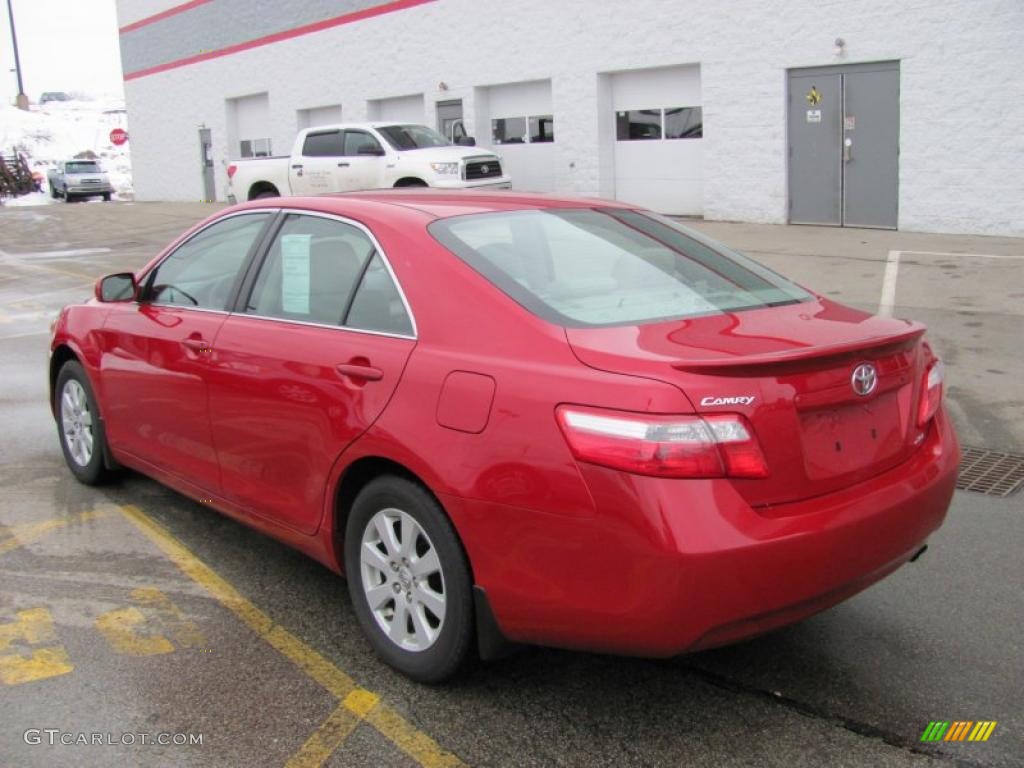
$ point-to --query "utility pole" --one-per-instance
(22, 98)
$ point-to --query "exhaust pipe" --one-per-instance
(917, 554)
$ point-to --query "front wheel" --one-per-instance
(79, 425)
(106, 197)
(409, 579)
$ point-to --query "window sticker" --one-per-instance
(295, 273)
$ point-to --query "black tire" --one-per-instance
(68, 197)
(93, 472)
(406, 183)
(53, 192)
(262, 195)
(106, 197)
(449, 650)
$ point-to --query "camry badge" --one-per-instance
(864, 379)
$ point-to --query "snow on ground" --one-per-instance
(59, 130)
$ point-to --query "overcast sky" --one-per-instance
(65, 45)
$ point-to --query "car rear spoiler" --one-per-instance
(853, 348)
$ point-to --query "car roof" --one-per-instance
(437, 203)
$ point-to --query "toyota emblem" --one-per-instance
(864, 379)
(484, 168)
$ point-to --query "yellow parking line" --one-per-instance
(26, 532)
(362, 704)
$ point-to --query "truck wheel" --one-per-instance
(68, 197)
(261, 195)
(53, 192)
(106, 197)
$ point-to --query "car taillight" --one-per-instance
(719, 445)
(931, 392)
(231, 170)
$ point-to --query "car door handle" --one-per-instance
(363, 372)
(298, 165)
(343, 165)
(197, 345)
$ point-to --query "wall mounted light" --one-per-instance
(839, 47)
(442, 86)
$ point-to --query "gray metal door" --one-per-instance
(871, 134)
(844, 145)
(206, 160)
(448, 114)
(815, 156)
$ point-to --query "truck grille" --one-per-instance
(482, 169)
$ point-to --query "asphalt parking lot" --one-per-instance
(131, 610)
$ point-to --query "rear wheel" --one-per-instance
(78, 423)
(409, 579)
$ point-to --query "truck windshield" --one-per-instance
(85, 167)
(403, 137)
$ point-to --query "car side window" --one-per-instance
(328, 272)
(322, 144)
(202, 271)
(311, 271)
(378, 305)
(360, 143)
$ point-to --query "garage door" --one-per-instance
(521, 127)
(658, 134)
(401, 109)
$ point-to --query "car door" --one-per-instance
(363, 161)
(316, 171)
(156, 352)
(305, 365)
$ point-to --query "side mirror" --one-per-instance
(367, 149)
(466, 141)
(119, 287)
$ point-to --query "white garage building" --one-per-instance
(863, 113)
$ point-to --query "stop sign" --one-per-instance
(118, 136)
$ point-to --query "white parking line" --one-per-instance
(892, 269)
(57, 254)
(964, 255)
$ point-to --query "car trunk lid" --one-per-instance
(789, 371)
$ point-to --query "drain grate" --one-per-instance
(990, 472)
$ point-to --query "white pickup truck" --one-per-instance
(341, 158)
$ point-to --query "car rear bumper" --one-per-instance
(669, 566)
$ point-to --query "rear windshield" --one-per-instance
(605, 267)
(81, 167)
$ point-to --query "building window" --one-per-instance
(509, 130)
(653, 124)
(684, 122)
(513, 130)
(638, 125)
(542, 129)
(255, 148)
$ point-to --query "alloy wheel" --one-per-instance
(76, 419)
(403, 579)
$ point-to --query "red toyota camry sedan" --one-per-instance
(515, 419)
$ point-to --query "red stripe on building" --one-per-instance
(162, 15)
(337, 21)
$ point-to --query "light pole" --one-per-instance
(22, 98)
